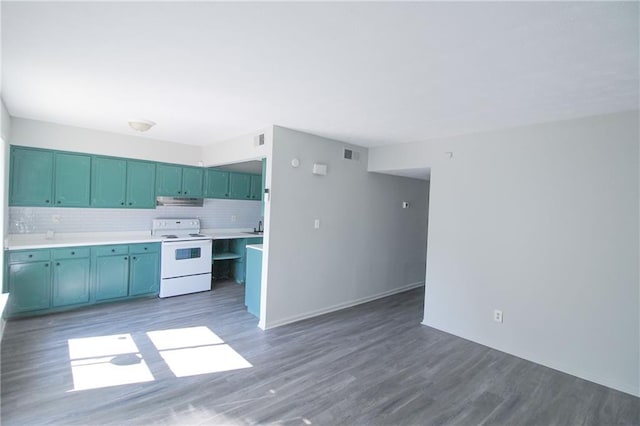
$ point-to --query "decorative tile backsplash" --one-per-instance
(213, 214)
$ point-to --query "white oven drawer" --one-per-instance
(182, 258)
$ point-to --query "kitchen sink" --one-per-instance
(255, 233)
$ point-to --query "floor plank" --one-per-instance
(373, 364)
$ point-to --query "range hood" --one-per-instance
(179, 201)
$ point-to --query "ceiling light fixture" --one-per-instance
(141, 125)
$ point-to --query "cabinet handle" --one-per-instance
(185, 192)
(59, 202)
(134, 258)
(30, 255)
(113, 250)
(46, 201)
(130, 203)
(146, 248)
(46, 265)
(126, 258)
(73, 253)
(247, 196)
(179, 192)
(57, 263)
(226, 195)
(122, 203)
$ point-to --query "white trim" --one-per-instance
(343, 305)
(4, 297)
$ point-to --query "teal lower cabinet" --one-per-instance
(70, 282)
(29, 274)
(125, 270)
(111, 273)
(144, 270)
(48, 280)
(229, 258)
(253, 280)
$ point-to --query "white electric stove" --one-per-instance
(185, 265)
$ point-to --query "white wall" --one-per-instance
(541, 222)
(367, 245)
(42, 134)
(242, 148)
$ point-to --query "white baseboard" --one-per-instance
(342, 305)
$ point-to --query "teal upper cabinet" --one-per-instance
(217, 184)
(192, 179)
(177, 181)
(108, 182)
(71, 179)
(239, 186)
(256, 187)
(141, 181)
(168, 180)
(31, 177)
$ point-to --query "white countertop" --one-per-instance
(255, 246)
(40, 241)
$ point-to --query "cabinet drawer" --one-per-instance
(144, 248)
(70, 253)
(109, 250)
(28, 256)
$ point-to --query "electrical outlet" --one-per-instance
(233, 218)
(497, 315)
(316, 224)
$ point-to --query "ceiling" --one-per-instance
(365, 73)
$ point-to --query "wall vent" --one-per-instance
(350, 154)
(259, 139)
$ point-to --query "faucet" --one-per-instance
(260, 229)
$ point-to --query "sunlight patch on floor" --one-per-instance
(196, 350)
(98, 362)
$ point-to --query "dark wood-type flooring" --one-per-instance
(373, 364)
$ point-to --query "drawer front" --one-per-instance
(23, 256)
(144, 248)
(111, 250)
(70, 253)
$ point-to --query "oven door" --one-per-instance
(183, 258)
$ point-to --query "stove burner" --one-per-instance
(197, 235)
(169, 236)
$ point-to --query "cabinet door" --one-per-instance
(29, 286)
(256, 187)
(111, 276)
(217, 184)
(168, 180)
(108, 182)
(192, 182)
(141, 185)
(72, 180)
(144, 274)
(239, 186)
(70, 281)
(31, 178)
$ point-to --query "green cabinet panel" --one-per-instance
(216, 184)
(141, 181)
(239, 186)
(256, 187)
(192, 182)
(253, 281)
(70, 281)
(72, 177)
(111, 276)
(31, 178)
(168, 180)
(108, 182)
(144, 274)
(29, 286)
